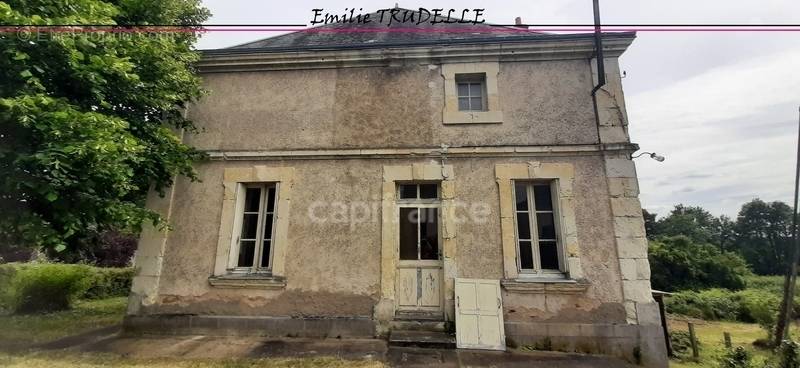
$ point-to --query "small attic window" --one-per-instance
(471, 89)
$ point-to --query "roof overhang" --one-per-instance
(525, 48)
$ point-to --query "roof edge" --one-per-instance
(547, 47)
(487, 40)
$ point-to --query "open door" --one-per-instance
(479, 315)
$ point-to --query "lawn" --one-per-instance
(712, 346)
(22, 331)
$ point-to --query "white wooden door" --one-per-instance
(479, 315)
(419, 285)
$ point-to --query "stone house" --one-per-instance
(355, 176)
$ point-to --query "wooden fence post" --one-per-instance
(727, 339)
(693, 337)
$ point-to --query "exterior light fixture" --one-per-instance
(652, 155)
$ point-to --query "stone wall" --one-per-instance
(543, 103)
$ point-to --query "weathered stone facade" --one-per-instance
(338, 129)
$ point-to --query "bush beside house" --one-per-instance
(46, 287)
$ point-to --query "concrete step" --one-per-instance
(409, 325)
(422, 339)
(418, 316)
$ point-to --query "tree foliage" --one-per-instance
(761, 233)
(678, 263)
(88, 120)
(764, 235)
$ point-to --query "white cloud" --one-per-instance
(734, 124)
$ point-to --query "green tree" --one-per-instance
(89, 120)
(764, 235)
(691, 221)
(650, 224)
(678, 263)
(724, 233)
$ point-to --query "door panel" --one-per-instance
(430, 286)
(407, 287)
(479, 314)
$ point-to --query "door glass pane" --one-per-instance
(252, 199)
(463, 103)
(547, 228)
(549, 255)
(247, 250)
(476, 103)
(525, 255)
(463, 89)
(265, 254)
(543, 197)
(271, 199)
(429, 233)
(408, 191)
(408, 233)
(268, 226)
(521, 195)
(428, 191)
(249, 226)
(523, 226)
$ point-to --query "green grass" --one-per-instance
(712, 345)
(20, 331)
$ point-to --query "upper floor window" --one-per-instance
(471, 90)
(538, 244)
(256, 228)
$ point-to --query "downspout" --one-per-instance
(601, 68)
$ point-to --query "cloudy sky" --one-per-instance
(721, 106)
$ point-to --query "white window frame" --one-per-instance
(259, 241)
(491, 113)
(469, 80)
(537, 270)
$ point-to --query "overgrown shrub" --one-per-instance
(711, 304)
(750, 305)
(737, 357)
(679, 264)
(774, 285)
(761, 307)
(43, 287)
(789, 354)
(109, 282)
(681, 343)
(49, 287)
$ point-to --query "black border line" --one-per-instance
(307, 25)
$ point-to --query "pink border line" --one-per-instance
(465, 29)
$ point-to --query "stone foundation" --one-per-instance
(250, 326)
(634, 343)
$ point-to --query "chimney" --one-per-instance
(518, 23)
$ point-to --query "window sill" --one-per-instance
(543, 285)
(252, 281)
(472, 117)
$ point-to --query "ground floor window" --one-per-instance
(256, 228)
(537, 229)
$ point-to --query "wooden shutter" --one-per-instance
(479, 315)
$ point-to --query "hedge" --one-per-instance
(45, 287)
(749, 305)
